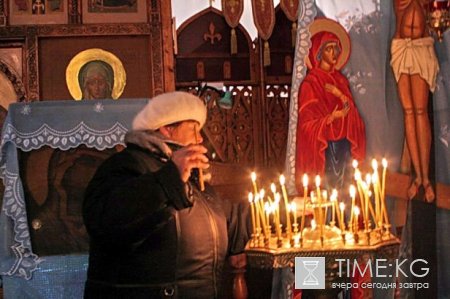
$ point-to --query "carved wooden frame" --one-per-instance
(158, 28)
(32, 36)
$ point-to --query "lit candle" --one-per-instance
(267, 209)
(333, 199)
(368, 195)
(277, 215)
(255, 187)
(319, 202)
(261, 194)
(342, 219)
(260, 212)
(358, 180)
(294, 211)
(369, 180)
(356, 211)
(377, 192)
(305, 193)
(355, 164)
(286, 204)
(383, 182)
(317, 181)
(352, 196)
(273, 188)
(383, 191)
(252, 209)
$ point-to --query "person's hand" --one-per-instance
(189, 157)
(337, 113)
(336, 92)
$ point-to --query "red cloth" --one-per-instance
(315, 105)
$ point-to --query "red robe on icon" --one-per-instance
(315, 106)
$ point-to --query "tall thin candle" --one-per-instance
(286, 205)
(333, 199)
(352, 195)
(252, 209)
(305, 193)
(342, 218)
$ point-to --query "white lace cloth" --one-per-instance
(58, 124)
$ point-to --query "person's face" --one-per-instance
(329, 54)
(96, 86)
(186, 133)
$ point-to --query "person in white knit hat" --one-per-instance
(153, 232)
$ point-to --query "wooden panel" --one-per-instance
(281, 51)
(205, 38)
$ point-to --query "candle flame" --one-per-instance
(354, 163)
(364, 185)
(277, 198)
(325, 195)
(293, 206)
(352, 191)
(273, 188)
(374, 164)
(342, 206)
(333, 196)
(256, 197)
(250, 197)
(262, 192)
(253, 176)
(357, 175)
(282, 180)
(305, 180)
(267, 207)
(368, 179)
(317, 180)
(384, 162)
(375, 176)
(356, 211)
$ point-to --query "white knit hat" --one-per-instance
(169, 108)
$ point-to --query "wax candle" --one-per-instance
(356, 211)
(252, 210)
(261, 195)
(333, 199)
(277, 215)
(286, 205)
(342, 222)
(352, 191)
(267, 209)
(305, 193)
(253, 177)
(319, 203)
(369, 181)
(294, 211)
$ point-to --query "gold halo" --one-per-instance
(334, 27)
(73, 71)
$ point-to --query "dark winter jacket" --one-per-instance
(153, 236)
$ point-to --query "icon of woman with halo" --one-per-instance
(95, 74)
(330, 131)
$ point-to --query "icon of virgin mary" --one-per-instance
(330, 131)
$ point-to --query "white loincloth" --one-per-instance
(415, 56)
